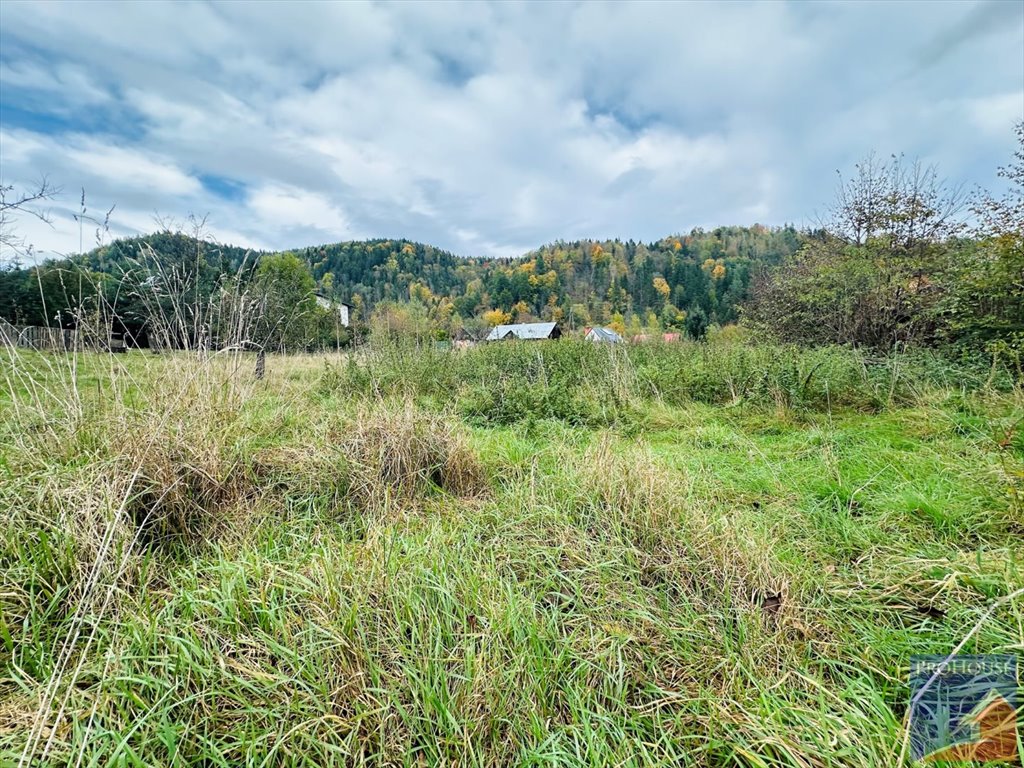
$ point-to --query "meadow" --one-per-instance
(699, 554)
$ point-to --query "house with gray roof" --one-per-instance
(603, 336)
(525, 332)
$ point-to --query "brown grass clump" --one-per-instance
(637, 497)
(399, 452)
(175, 466)
(177, 491)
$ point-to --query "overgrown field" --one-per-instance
(548, 554)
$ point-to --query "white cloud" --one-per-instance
(132, 169)
(996, 114)
(290, 207)
(67, 83)
(491, 128)
(18, 147)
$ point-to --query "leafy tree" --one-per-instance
(672, 318)
(580, 314)
(408, 319)
(285, 292)
(662, 288)
(494, 317)
(870, 276)
(984, 297)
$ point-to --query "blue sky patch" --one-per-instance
(223, 187)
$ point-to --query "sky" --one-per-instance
(488, 129)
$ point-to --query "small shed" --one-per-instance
(603, 336)
(525, 332)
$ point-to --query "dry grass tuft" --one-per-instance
(177, 490)
(678, 543)
(637, 496)
(174, 464)
(399, 452)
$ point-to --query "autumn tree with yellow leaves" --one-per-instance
(494, 317)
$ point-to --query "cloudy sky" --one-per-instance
(489, 129)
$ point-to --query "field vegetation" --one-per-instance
(698, 554)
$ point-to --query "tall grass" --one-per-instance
(587, 384)
(554, 554)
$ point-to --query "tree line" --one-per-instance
(680, 282)
(176, 290)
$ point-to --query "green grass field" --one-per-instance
(548, 555)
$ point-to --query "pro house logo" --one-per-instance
(964, 708)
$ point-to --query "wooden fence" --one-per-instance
(55, 339)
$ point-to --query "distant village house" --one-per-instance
(340, 307)
(525, 332)
(641, 338)
(463, 339)
(603, 336)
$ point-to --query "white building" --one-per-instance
(340, 307)
(603, 336)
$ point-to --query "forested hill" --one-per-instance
(703, 273)
(595, 280)
(172, 248)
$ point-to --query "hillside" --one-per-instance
(702, 273)
(710, 271)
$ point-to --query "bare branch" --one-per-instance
(14, 202)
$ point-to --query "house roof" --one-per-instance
(604, 334)
(522, 331)
(325, 301)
